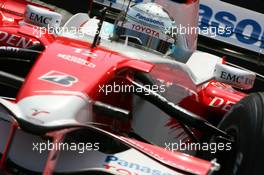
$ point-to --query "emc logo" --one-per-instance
(39, 18)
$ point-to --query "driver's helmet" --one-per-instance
(148, 25)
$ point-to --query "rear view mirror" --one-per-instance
(235, 77)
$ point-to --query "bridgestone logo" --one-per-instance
(59, 78)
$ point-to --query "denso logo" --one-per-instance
(221, 103)
(14, 40)
(153, 21)
(238, 27)
(39, 18)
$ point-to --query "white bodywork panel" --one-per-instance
(202, 65)
(51, 110)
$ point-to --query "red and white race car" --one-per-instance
(129, 98)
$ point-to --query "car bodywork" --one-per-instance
(64, 83)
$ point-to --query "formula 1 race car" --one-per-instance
(125, 98)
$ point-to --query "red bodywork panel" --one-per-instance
(100, 67)
(220, 97)
(176, 160)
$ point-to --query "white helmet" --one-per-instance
(146, 24)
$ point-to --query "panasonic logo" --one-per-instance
(120, 165)
(153, 21)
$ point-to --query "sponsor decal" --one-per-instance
(36, 112)
(245, 30)
(125, 167)
(149, 20)
(14, 40)
(40, 19)
(221, 103)
(85, 52)
(59, 78)
(236, 78)
(146, 30)
(77, 60)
